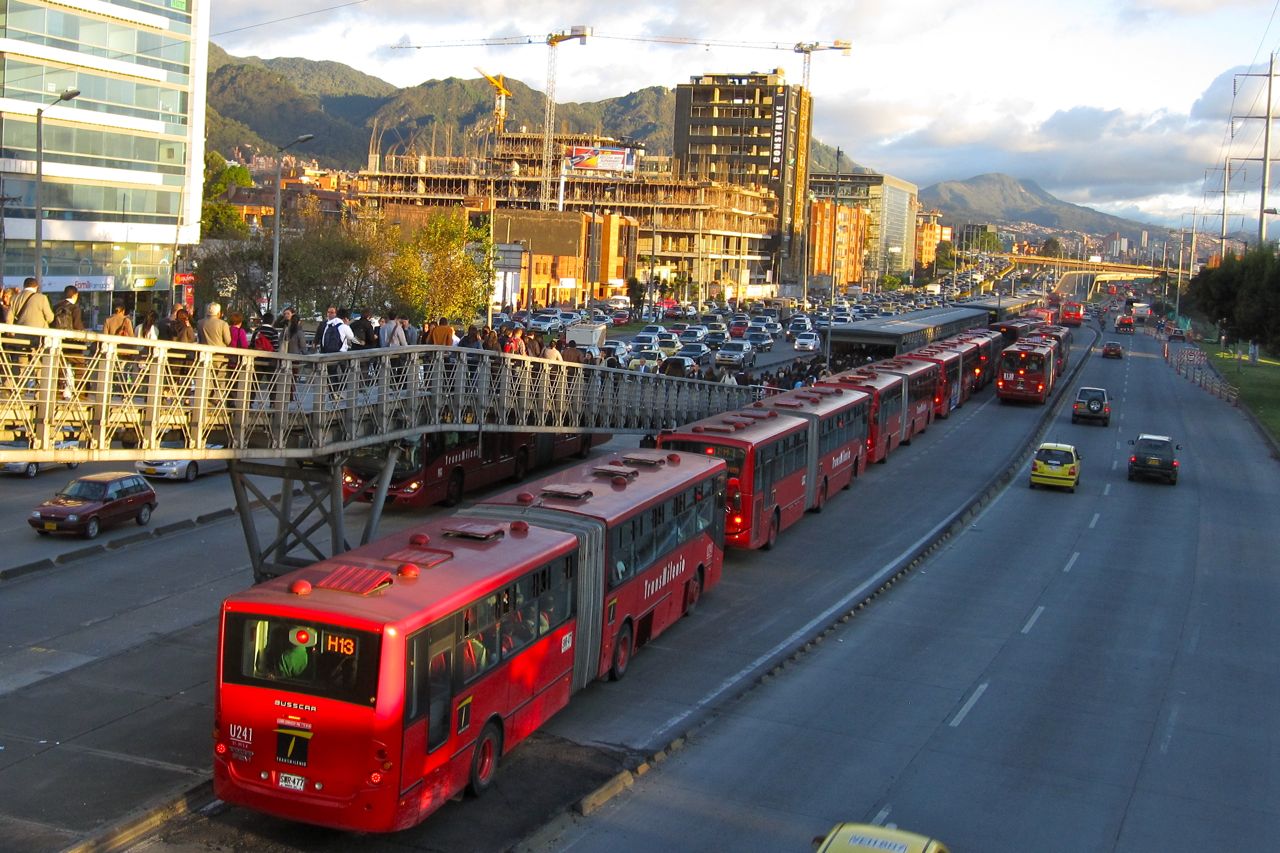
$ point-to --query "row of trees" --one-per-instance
(441, 268)
(1242, 296)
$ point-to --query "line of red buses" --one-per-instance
(368, 689)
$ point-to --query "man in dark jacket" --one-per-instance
(366, 335)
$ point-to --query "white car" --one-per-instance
(30, 469)
(808, 342)
(180, 469)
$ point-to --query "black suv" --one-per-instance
(1154, 456)
(1092, 404)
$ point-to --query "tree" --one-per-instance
(1051, 248)
(219, 220)
(345, 262)
(444, 268)
(1243, 293)
(945, 255)
(635, 292)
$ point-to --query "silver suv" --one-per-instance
(1092, 404)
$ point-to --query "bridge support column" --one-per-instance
(321, 492)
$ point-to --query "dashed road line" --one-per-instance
(881, 816)
(1094, 521)
(968, 706)
(1106, 490)
(1026, 629)
(1168, 729)
(1071, 562)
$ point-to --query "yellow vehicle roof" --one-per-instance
(867, 838)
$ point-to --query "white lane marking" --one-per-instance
(1115, 463)
(1106, 490)
(1168, 729)
(968, 706)
(881, 816)
(1094, 521)
(1071, 562)
(1026, 629)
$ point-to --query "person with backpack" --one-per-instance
(337, 338)
(67, 316)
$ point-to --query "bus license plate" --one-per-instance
(291, 782)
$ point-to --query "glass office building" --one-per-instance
(122, 159)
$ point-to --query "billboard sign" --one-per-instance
(588, 159)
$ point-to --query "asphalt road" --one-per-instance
(1074, 672)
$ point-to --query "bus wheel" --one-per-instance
(522, 466)
(621, 653)
(484, 762)
(772, 537)
(454, 493)
(692, 593)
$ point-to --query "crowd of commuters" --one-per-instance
(344, 330)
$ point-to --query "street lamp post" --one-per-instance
(66, 95)
(275, 235)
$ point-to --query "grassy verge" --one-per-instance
(1259, 384)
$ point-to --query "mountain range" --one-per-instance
(259, 104)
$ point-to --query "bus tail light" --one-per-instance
(1039, 387)
(375, 778)
(1175, 463)
(735, 494)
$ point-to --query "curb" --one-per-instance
(174, 527)
(79, 553)
(25, 569)
(129, 830)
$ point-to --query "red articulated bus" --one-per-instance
(440, 467)
(955, 383)
(1062, 337)
(364, 692)
(886, 415)
(989, 343)
(924, 387)
(1025, 372)
(1044, 315)
(1016, 328)
(767, 454)
(837, 435)
(1072, 313)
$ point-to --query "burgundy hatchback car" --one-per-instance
(90, 503)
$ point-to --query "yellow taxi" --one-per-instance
(1056, 465)
(860, 837)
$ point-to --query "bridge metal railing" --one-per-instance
(124, 398)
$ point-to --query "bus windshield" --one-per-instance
(733, 456)
(301, 656)
(368, 461)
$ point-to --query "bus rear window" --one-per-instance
(733, 456)
(301, 656)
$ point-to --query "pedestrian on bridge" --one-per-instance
(118, 323)
(31, 307)
(213, 330)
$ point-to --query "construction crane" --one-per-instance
(552, 41)
(808, 48)
(500, 95)
(545, 194)
(549, 165)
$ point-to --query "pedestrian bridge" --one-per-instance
(125, 398)
(81, 397)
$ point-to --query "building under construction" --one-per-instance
(612, 218)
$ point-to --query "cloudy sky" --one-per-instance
(1122, 105)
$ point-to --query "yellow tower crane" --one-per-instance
(500, 95)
